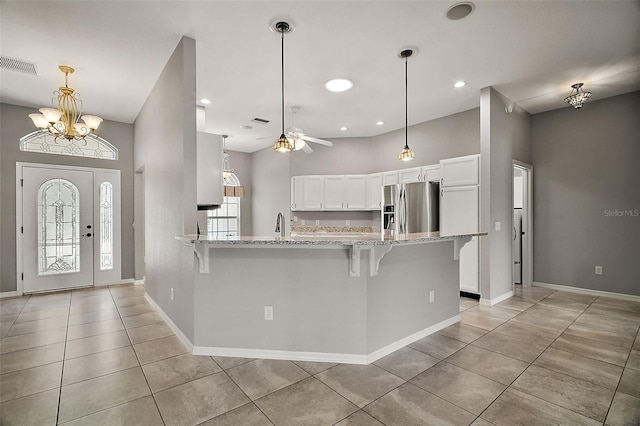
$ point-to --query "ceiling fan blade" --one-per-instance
(316, 140)
(307, 149)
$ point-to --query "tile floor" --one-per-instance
(104, 357)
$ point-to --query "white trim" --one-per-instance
(496, 300)
(19, 198)
(184, 339)
(324, 356)
(527, 208)
(9, 294)
(122, 281)
(138, 282)
(587, 291)
(382, 352)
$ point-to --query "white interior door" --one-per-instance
(58, 228)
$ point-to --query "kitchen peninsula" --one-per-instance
(332, 298)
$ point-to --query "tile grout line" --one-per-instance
(137, 357)
(64, 353)
(532, 362)
(622, 374)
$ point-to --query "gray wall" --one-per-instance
(585, 163)
(14, 124)
(271, 187)
(241, 164)
(503, 138)
(165, 135)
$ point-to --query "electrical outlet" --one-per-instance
(598, 270)
(295, 218)
(268, 313)
(172, 293)
(347, 222)
(498, 225)
(317, 222)
(302, 222)
(432, 296)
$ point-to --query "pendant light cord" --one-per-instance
(406, 106)
(282, 58)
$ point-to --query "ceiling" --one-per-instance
(531, 51)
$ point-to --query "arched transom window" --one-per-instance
(224, 223)
(91, 146)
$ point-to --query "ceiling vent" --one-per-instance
(13, 64)
(260, 120)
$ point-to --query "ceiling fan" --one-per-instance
(299, 139)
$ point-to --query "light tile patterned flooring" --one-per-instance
(104, 357)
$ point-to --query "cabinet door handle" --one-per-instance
(419, 177)
(347, 205)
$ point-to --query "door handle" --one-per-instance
(87, 235)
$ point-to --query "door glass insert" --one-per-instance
(106, 226)
(58, 227)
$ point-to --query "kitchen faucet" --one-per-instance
(280, 224)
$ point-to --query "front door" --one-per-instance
(58, 228)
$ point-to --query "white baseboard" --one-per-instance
(496, 300)
(9, 294)
(139, 282)
(324, 356)
(185, 341)
(587, 291)
(380, 353)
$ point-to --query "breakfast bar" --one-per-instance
(332, 298)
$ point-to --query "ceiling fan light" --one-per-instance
(298, 143)
(52, 115)
(92, 121)
(39, 120)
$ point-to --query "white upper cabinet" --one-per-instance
(296, 192)
(461, 171)
(374, 191)
(209, 183)
(312, 190)
(410, 175)
(389, 178)
(333, 198)
(355, 192)
(431, 173)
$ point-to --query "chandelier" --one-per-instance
(577, 96)
(64, 121)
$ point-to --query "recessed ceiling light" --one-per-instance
(379, 123)
(343, 128)
(338, 85)
(460, 84)
(460, 10)
(205, 101)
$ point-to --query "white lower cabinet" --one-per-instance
(469, 266)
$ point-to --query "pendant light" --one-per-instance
(578, 96)
(282, 145)
(226, 167)
(406, 154)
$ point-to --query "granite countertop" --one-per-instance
(338, 239)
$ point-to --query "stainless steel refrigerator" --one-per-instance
(410, 208)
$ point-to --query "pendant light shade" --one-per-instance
(226, 166)
(406, 154)
(282, 145)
